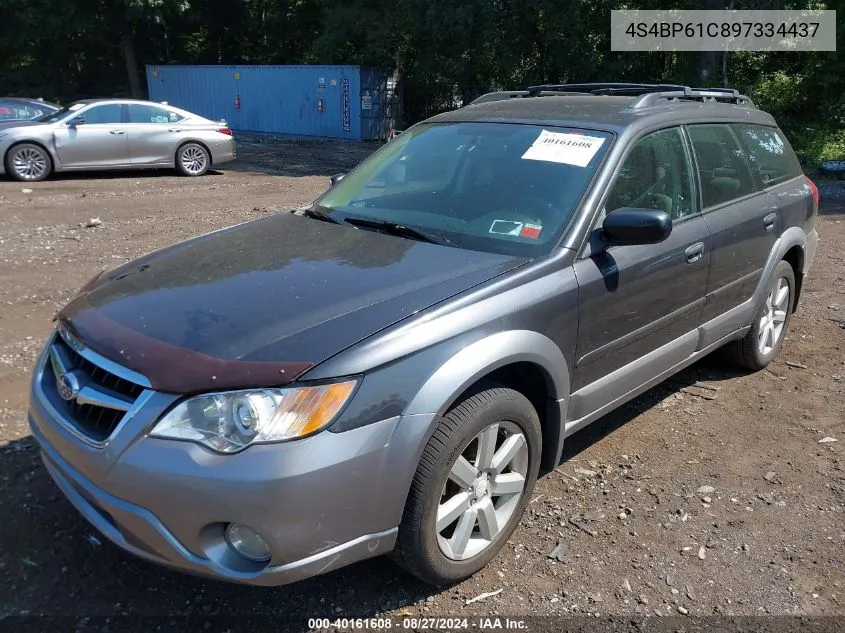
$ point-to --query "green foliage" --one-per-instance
(448, 51)
(780, 92)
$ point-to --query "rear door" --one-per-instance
(100, 141)
(154, 134)
(778, 172)
(743, 219)
(634, 300)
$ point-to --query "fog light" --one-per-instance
(248, 543)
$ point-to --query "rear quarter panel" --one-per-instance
(795, 203)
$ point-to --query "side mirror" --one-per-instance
(77, 120)
(629, 226)
(336, 179)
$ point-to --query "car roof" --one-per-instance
(117, 100)
(30, 100)
(609, 112)
(139, 101)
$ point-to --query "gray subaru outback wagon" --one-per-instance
(388, 369)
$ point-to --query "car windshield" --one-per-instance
(498, 187)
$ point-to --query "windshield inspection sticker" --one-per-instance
(564, 147)
(531, 231)
(506, 227)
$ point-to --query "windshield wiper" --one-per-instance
(318, 215)
(400, 230)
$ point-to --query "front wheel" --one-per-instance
(192, 159)
(763, 341)
(28, 162)
(471, 487)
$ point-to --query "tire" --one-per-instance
(192, 159)
(491, 414)
(753, 351)
(28, 162)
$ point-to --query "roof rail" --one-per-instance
(649, 94)
(604, 88)
(500, 96)
(713, 95)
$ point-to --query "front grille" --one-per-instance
(93, 412)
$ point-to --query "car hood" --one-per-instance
(260, 303)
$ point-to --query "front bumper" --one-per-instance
(321, 503)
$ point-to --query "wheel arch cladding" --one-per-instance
(523, 360)
(795, 257)
(791, 240)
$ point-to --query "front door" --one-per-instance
(99, 139)
(641, 300)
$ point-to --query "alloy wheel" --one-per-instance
(194, 159)
(773, 318)
(483, 490)
(30, 163)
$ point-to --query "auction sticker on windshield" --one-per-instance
(564, 147)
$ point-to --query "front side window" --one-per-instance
(106, 113)
(723, 168)
(656, 174)
(497, 187)
(770, 155)
(141, 113)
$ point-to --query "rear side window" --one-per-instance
(16, 110)
(770, 155)
(723, 168)
(142, 113)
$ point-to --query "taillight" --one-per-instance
(225, 130)
(814, 190)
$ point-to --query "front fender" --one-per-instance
(482, 357)
(473, 362)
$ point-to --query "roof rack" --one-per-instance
(685, 93)
(503, 95)
(649, 94)
(604, 88)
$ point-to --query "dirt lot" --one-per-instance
(702, 500)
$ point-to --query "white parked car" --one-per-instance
(113, 134)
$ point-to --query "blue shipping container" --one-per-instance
(344, 102)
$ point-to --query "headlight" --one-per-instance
(229, 422)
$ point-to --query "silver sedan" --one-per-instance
(113, 134)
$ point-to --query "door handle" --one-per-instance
(175, 129)
(117, 131)
(694, 252)
(769, 221)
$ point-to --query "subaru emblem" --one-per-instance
(67, 385)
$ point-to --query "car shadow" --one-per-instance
(53, 562)
(707, 370)
(283, 156)
(136, 174)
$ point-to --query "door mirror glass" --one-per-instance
(628, 226)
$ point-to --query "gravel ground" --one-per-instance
(714, 493)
